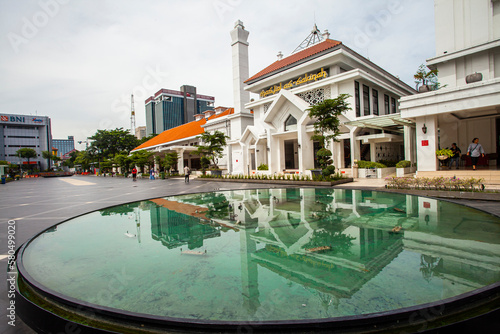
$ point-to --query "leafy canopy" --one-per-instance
(212, 146)
(107, 143)
(327, 114)
(26, 153)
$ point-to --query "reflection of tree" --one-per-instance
(120, 209)
(429, 266)
(338, 241)
(217, 204)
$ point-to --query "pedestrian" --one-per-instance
(456, 155)
(187, 172)
(151, 174)
(134, 174)
(475, 150)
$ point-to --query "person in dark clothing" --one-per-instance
(456, 156)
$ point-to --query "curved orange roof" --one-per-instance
(187, 130)
(310, 51)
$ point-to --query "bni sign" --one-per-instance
(13, 119)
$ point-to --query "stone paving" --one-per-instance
(36, 204)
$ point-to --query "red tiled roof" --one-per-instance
(310, 51)
(187, 130)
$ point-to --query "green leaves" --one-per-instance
(326, 114)
(212, 145)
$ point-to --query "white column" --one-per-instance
(180, 162)
(427, 143)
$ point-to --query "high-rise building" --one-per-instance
(63, 145)
(168, 109)
(25, 131)
(140, 132)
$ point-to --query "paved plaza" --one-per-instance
(36, 204)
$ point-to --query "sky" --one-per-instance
(78, 62)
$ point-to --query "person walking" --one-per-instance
(456, 156)
(151, 174)
(134, 174)
(187, 172)
(475, 150)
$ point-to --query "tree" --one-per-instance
(107, 143)
(84, 159)
(326, 115)
(123, 161)
(26, 153)
(171, 160)
(326, 127)
(70, 163)
(212, 146)
(49, 156)
(142, 158)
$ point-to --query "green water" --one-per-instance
(277, 254)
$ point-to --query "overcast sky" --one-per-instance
(79, 61)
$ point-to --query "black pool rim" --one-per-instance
(479, 309)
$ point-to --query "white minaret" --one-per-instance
(239, 45)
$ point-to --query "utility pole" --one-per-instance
(132, 115)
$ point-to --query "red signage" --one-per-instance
(427, 205)
(425, 143)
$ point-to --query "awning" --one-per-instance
(381, 122)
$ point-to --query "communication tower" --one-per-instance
(132, 115)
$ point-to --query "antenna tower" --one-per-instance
(132, 115)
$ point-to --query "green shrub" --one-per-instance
(388, 163)
(370, 164)
(329, 170)
(403, 164)
(263, 167)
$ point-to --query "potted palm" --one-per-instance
(426, 79)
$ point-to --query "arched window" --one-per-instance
(291, 123)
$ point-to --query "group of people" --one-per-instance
(475, 150)
(187, 172)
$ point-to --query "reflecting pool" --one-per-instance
(269, 254)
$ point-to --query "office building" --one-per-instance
(168, 109)
(25, 131)
(63, 146)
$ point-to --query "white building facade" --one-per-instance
(468, 63)
(25, 131)
(280, 136)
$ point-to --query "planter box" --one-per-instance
(216, 172)
(367, 173)
(55, 174)
(400, 172)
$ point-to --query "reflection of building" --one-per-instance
(170, 108)
(338, 244)
(25, 131)
(175, 229)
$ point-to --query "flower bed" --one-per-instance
(435, 183)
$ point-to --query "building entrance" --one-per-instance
(291, 154)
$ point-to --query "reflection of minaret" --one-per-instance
(249, 271)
